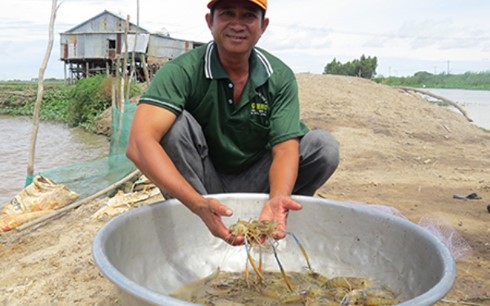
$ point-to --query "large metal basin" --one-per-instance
(152, 250)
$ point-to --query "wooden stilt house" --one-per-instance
(99, 45)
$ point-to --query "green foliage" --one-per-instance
(90, 98)
(54, 104)
(468, 80)
(87, 102)
(365, 67)
(76, 105)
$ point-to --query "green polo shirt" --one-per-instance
(237, 134)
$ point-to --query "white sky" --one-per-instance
(405, 36)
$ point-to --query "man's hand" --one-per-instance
(211, 211)
(277, 209)
(150, 125)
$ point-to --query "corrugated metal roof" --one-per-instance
(106, 22)
(102, 37)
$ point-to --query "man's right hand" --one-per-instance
(211, 211)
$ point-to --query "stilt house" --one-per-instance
(99, 45)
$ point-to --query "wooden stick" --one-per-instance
(461, 302)
(40, 91)
(469, 301)
(452, 103)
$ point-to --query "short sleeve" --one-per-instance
(285, 114)
(169, 88)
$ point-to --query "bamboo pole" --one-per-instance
(116, 82)
(125, 66)
(40, 92)
(132, 74)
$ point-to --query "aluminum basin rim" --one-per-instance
(429, 297)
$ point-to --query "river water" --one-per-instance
(57, 145)
(475, 102)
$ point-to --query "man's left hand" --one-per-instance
(277, 209)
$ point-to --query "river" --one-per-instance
(475, 102)
(57, 145)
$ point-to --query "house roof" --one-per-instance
(106, 12)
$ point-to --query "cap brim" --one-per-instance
(213, 3)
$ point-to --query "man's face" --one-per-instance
(236, 26)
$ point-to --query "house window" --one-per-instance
(112, 44)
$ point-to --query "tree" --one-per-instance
(365, 67)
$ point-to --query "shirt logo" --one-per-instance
(260, 107)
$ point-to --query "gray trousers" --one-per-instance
(186, 146)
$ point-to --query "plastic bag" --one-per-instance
(39, 198)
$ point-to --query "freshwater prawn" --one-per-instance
(255, 234)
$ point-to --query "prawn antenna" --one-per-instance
(307, 258)
(286, 279)
(250, 259)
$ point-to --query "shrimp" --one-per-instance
(350, 283)
(369, 297)
(255, 233)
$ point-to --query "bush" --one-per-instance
(54, 105)
(76, 105)
(90, 98)
(87, 102)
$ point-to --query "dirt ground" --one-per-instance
(396, 150)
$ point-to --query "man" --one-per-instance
(225, 118)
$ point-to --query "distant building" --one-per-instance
(98, 45)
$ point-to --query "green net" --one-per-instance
(87, 178)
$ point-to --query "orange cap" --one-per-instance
(261, 3)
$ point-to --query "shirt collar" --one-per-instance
(260, 67)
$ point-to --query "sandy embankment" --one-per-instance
(396, 149)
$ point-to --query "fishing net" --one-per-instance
(437, 226)
(457, 245)
(87, 178)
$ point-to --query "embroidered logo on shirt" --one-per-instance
(260, 107)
